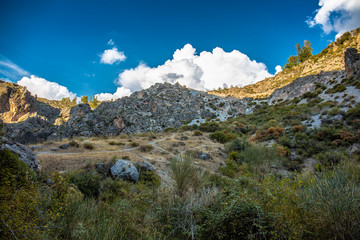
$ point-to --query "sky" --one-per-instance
(113, 48)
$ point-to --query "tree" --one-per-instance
(84, 99)
(291, 62)
(305, 52)
(74, 100)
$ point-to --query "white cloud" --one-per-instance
(278, 69)
(11, 70)
(111, 56)
(111, 42)
(339, 16)
(120, 92)
(45, 89)
(206, 71)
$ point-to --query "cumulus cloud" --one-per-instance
(45, 89)
(111, 56)
(120, 92)
(278, 69)
(206, 71)
(337, 15)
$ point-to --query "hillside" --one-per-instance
(329, 59)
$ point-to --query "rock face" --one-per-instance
(25, 154)
(352, 63)
(124, 170)
(154, 109)
(302, 85)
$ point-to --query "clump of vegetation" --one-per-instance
(222, 136)
(89, 146)
(73, 143)
(337, 88)
(113, 143)
(134, 144)
(146, 148)
(198, 133)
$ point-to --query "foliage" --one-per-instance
(337, 88)
(89, 146)
(222, 136)
(84, 99)
(291, 62)
(87, 182)
(305, 52)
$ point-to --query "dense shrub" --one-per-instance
(146, 148)
(270, 133)
(197, 133)
(222, 136)
(337, 88)
(88, 182)
(209, 127)
(89, 146)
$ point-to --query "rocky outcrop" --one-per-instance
(25, 154)
(154, 109)
(352, 63)
(302, 85)
(124, 170)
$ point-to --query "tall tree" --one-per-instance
(84, 99)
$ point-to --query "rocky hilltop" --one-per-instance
(28, 119)
(154, 109)
(329, 59)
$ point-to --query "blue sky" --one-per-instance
(63, 41)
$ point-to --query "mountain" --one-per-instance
(329, 59)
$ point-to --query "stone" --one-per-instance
(204, 156)
(124, 170)
(25, 154)
(145, 166)
(352, 63)
(64, 146)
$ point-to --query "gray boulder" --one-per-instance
(352, 63)
(64, 146)
(124, 170)
(25, 154)
(204, 156)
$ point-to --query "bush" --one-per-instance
(197, 133)
(333, 202)
(87, 182)
(270, 133)
(222, 136)
(150, 179)
(113, 143)
(73, 143)
(170, 129)
(209, 127)
(186, 174)
(89, 146)
(134, 144)
(337, 88)
(146, 148)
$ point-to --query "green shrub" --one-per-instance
(186, 174)
(209, 127)
(337, 88)
(197, 133)
(73, 143)
(89, 146)
(113, 143)
(222, 136)
(150, 179)
(238, 145)
(170, 129)
(333, 202)
(113, 189)
(13, 172)
(134, 144)
(87, 182)
(146, 148)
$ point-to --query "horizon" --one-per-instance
(111, 49)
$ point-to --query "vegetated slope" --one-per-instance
(329, 59)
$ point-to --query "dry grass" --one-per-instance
(76, 158)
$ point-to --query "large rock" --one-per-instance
(145, 166)
(124, 170)
(25, 153)
(352, 63)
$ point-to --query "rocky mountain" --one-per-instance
(154, 109)
(329, 59)
(29, 120)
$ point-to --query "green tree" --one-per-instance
(291, 62)
(74, 100)
(305, 52)
(84, 99)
